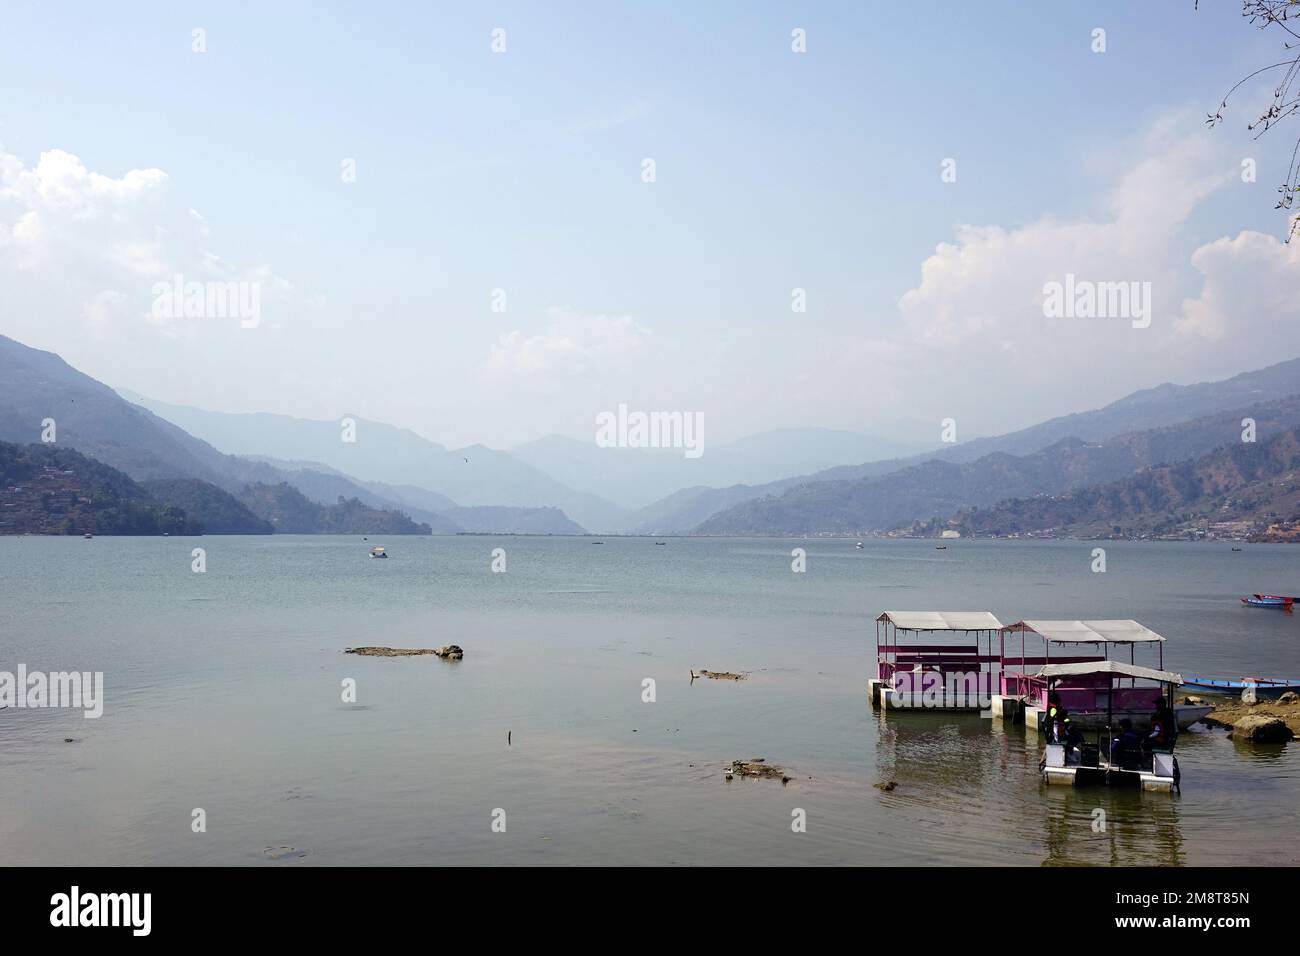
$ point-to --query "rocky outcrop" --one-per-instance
(1262, 729)
(452, 652)
(389, 651)
(757, 767)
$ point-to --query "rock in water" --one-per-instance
(389, 651)
(1289, 697)
(451, 652)
(755, 768)
(1262, 729)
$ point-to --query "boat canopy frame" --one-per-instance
(1020, 676)
(894, 654)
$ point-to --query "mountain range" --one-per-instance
(1242, 483)
(937, 488)
(290, 472)
(794, 505)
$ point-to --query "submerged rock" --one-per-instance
(1262, 729)
(389, 651)
(755, 768)
(451, 652)
(719, 675)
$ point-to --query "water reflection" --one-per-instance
(969, 789)
(1110, 826)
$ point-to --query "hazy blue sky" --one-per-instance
(522, 171)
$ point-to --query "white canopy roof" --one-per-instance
(942, 620)
(1089, 632)
(1117, 668)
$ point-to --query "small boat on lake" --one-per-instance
(1284, 604)
(378, 551)
(1104, 757)
(1093, 699)
(1266, 688)
(87, 535)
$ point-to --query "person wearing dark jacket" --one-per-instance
(1164, 727)
(1126, 744)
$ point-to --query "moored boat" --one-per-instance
(1266, 688)
(378, 552)
(1284, 604)
(1092, 700)
(1118, 754)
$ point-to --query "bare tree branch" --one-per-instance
(1283, 16)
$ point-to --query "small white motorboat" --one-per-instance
(378, 551)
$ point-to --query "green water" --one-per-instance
(223, 692)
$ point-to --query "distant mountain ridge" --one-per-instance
(1048, 458)
(385, 454)
(936, 488)
(637, 477)
(1143, 410)
(1239, 482)
(217, 511)
(45, 489)
(94, 420)
(291, 512)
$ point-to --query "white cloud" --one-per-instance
(986, 288)
(58, 212)
(572, 344)
(976, 316)
(1250, 288)
(76, 243)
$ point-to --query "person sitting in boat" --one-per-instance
(1127, 745)
(1060, 730)
(1058, 719)
(1164, 728)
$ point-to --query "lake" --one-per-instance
(223, 692)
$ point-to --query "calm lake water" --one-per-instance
(223, 692)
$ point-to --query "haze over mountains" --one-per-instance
(936, 488)
(1240, 482)
(638, 477)
(287, 471)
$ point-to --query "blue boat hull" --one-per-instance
(1265, 690)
